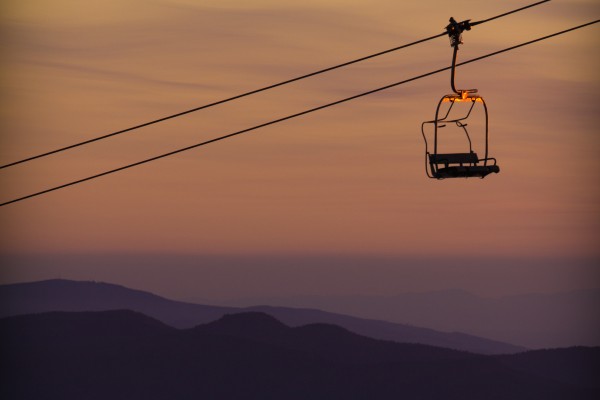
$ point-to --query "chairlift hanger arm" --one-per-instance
(455, 30)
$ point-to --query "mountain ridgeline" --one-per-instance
(124, 354)
(535, 320)
(66, 295)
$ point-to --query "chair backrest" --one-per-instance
(454, 158)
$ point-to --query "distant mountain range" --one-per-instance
(537, 320)
(66, 295)
(127, 355)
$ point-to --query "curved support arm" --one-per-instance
(464, 128)
(459, 92)
(453, 71)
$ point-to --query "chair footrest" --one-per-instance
(476, 171)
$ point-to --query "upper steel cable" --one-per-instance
(239, 96)
(508, 13)
(252, 92)
(295, 115)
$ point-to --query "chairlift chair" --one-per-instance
(443, 165)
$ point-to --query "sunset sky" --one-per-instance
(346, 183)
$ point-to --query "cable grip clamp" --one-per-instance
(455, 30)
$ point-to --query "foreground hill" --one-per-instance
(126, 355)
(66, 295)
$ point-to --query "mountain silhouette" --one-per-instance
(66, 295)
(253, 325)
(126, 355)
(536, 320)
